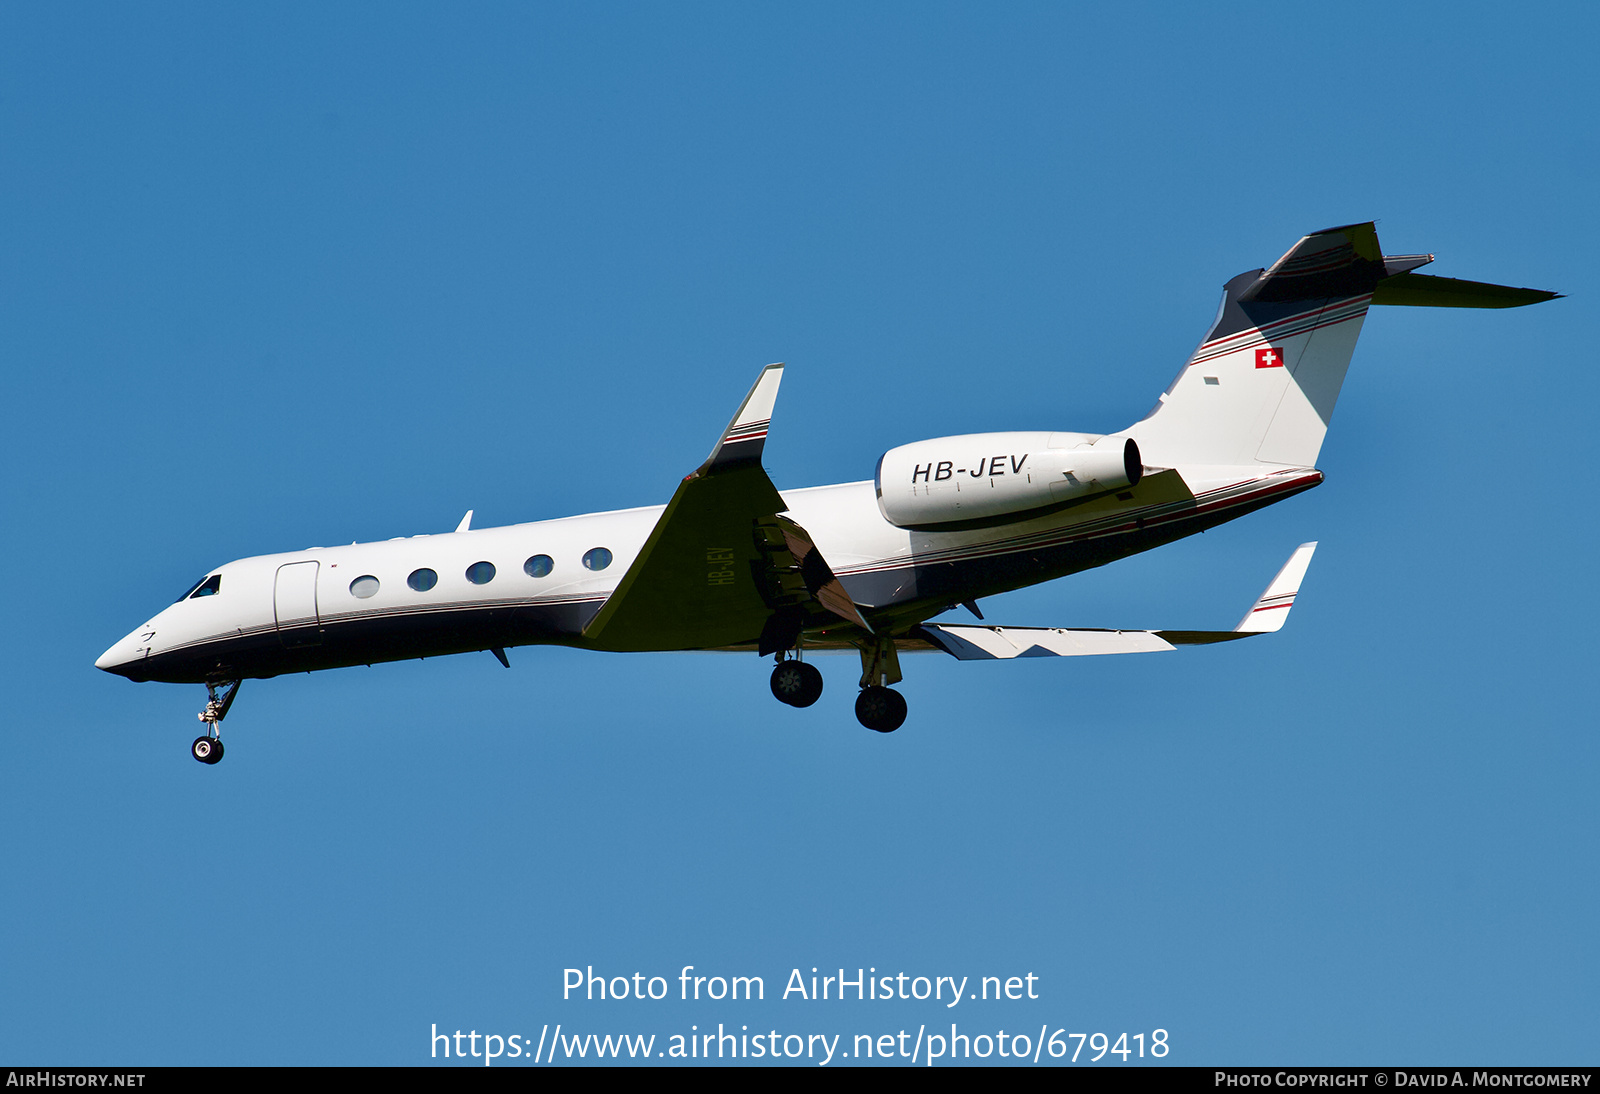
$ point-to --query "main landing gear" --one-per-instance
(208, 749)
(880, 707)
(796, 683)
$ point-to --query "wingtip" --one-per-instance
(1272, 607)
(745, 438)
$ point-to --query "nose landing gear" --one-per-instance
(208, 749)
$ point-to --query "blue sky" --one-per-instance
(300, 276)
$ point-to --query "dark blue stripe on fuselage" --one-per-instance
(340, 643)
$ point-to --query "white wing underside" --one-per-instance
(979, 643)
(976, 642)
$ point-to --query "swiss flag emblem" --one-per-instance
(1271, 357)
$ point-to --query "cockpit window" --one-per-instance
(206, 586)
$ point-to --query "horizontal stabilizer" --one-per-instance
(1426, 291)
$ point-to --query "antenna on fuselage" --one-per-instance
(466, 523)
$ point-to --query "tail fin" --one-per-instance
(1262, 386)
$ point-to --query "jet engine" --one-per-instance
(980, 477)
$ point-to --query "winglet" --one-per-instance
(741, 444)
(1269, 612)
(466, 523)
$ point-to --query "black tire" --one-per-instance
(813, 685)
(208, 750)
(881, 709)
(796, 683)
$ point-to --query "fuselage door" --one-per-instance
(294, 602)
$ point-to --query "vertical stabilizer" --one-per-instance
(1262, 386)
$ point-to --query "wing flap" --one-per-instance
(816, 576)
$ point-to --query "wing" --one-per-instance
(721, 567)
(977, 643)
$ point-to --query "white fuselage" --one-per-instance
(301, 610)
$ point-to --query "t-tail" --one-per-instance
(1262, 386)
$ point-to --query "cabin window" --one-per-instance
(206, 586)
(596, 558)
(539, 566)
(364, 586)
(422, 580)
(480, 573)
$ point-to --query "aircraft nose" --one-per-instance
(125, 655)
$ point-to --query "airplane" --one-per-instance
(731, 563)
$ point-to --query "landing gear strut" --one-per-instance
(796, 683)
(880, 707)
(208, 749)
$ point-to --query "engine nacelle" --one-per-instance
(984, 476)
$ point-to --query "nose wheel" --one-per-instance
(208, 749)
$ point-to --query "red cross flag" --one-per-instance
(1270, 357)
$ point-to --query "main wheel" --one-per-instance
(880, 708)
(796, 683)
(208, 750)
(813, 685)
